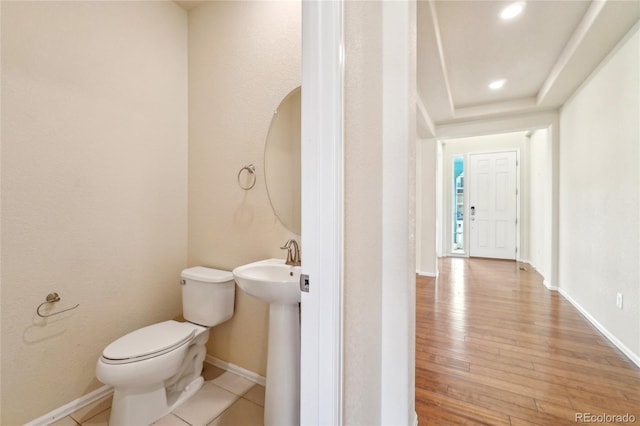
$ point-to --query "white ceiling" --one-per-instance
(545, 54)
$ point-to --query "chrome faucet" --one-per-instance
(293, 252)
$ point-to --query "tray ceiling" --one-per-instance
(544, 54)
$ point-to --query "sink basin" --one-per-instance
(270, 280)
(277, 283)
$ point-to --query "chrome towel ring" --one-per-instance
(251, 176)
(52, 298)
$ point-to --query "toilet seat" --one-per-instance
(149, 342)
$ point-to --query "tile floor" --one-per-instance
(225, 399)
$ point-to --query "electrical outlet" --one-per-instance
(619, 300)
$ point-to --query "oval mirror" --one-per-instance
(282, 161)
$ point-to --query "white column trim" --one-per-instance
(322, 212)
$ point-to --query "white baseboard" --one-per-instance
(531, 265)
(613, 339)
(550, 286)
(247, 374)
(546, 282)
(464, 255)
(71, 407)
(427, 274)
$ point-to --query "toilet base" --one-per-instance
(143, 406)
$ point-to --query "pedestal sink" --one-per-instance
(278, 284)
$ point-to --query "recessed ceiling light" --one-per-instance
(513, 10)
(497, 84)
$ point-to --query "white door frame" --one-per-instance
(322, 212)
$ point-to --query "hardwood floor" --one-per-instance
(494, 346)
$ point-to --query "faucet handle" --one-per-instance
(287, 247)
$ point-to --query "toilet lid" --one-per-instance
(149, 341)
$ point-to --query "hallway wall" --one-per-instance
(94, 187)
(427, 203)
(599, 195)
(538, 196)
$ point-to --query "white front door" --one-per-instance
(493, 204)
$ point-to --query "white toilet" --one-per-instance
(156, 368)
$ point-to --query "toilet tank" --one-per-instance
(207, 295)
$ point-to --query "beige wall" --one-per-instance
(94, 187)
(599, 195)
(244, 58)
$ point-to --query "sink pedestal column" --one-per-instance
(282, 393)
